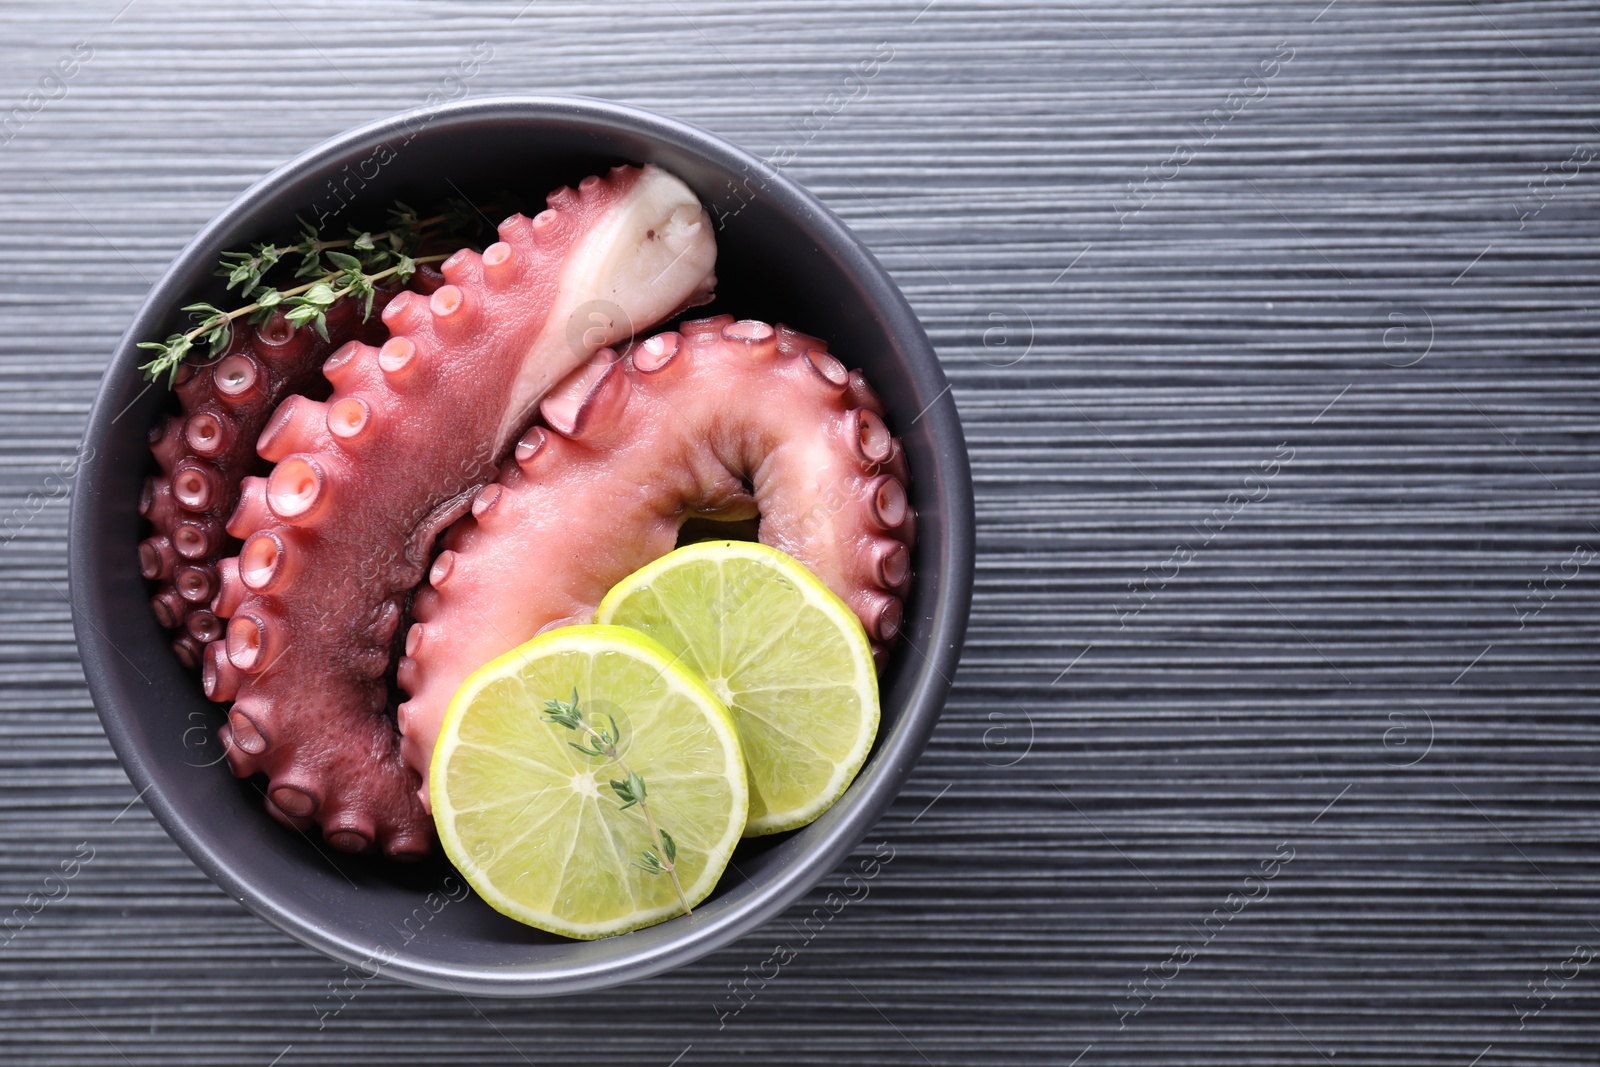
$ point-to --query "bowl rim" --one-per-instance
(895, 754)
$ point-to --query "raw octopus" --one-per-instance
(342, 530)
(203, 453)
(723, 418)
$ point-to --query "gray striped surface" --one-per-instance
(1287, 520)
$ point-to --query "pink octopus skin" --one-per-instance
(341, 531)
(724, 419)
(209, 447)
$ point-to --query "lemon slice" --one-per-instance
(539, 829)
(778, 648)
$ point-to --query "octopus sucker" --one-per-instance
(414, 430)
(722, 418)
(204, 453)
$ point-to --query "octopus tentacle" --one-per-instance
(340, 532)
(720, 418)
(204, 452)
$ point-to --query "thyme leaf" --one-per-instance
(601, 740)
(338, 269)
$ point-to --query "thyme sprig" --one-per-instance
(340, 268)
(602, 742)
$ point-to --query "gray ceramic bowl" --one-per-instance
(783, 257)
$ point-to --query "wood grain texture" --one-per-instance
(1287, 496)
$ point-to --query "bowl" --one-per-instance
(782, 257)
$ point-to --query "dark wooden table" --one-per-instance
(1274, 331)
